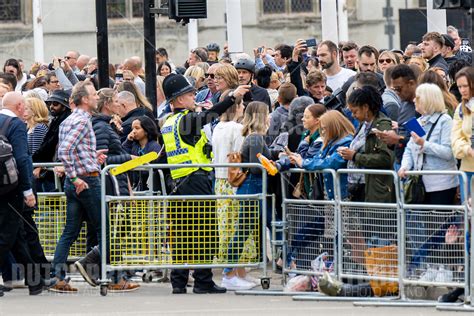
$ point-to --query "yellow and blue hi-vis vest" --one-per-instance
(178, 152)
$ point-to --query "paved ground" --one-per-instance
(156, 299)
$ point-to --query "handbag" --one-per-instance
(414, 188)
(299, 191)
(235, 175)
(382, 262)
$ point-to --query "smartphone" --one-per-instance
(311, 42)
(118, 77)
(260, 50)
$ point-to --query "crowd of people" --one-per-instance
(329, 106)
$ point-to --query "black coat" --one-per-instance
(257, 93)
(47, 150)
(107, 138)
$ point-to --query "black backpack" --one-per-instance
(8, 169)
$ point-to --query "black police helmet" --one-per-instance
(175, 85)
(213, 47)
(244, 63)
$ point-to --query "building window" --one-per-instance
(124, 9)
(116, 9)
(10, 10)
(137, 8)
(288, 6)
(302, 6)
(422, 3)
(274, 6)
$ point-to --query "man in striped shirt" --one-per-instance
(77, 151)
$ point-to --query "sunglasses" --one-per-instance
(212, 76)
(68, 57)
(388, 61)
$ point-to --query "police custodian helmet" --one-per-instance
(175, 85)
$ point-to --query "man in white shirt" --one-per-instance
(328, 58)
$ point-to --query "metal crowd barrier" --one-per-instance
(395, 244)
(469, 298)
(136, 231)
(310, 227)
(50, 219)
(425, 258)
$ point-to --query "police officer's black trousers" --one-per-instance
(190, 242)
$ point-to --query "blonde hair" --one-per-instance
(105, 96)
(336, 126)
(421, 60)
(255, 119)
(229, 74)
(196, 72)
(39, 112)
(430, 98)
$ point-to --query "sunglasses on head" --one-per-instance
(212, 76)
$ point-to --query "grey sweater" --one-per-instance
(254, 144)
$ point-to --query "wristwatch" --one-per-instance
(231, 96)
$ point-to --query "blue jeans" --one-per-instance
(78, 206)
(313, 229)
(251, 185)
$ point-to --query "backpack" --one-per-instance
(8, 169)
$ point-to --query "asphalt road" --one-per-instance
(156, 299)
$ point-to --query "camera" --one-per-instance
(335, 101)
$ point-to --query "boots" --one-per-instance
(329, 286)
(89, 266)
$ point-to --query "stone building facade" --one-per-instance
(70, 25)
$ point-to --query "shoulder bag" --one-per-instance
(414, 188)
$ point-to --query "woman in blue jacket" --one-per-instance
(337, 131)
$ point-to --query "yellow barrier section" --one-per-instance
(178, 232)
(50, 219)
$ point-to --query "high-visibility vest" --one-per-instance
(179, 152)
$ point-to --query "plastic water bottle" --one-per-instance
(267, 164)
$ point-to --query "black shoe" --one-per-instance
(212, 290)
(5, 289)
(89, 267)
(451, 297)
(178, 290)
(36, 289)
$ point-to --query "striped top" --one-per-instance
(36, 137)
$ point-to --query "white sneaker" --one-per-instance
(429, 275)
(443, 275)
(251, 279)
(236, 284)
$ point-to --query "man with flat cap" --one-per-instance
(448, 49)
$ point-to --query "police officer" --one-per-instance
(212, 53)
(193, 227)
(246, 69)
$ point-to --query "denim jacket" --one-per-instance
(311, 149)
(328, 158)
(436, 153)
